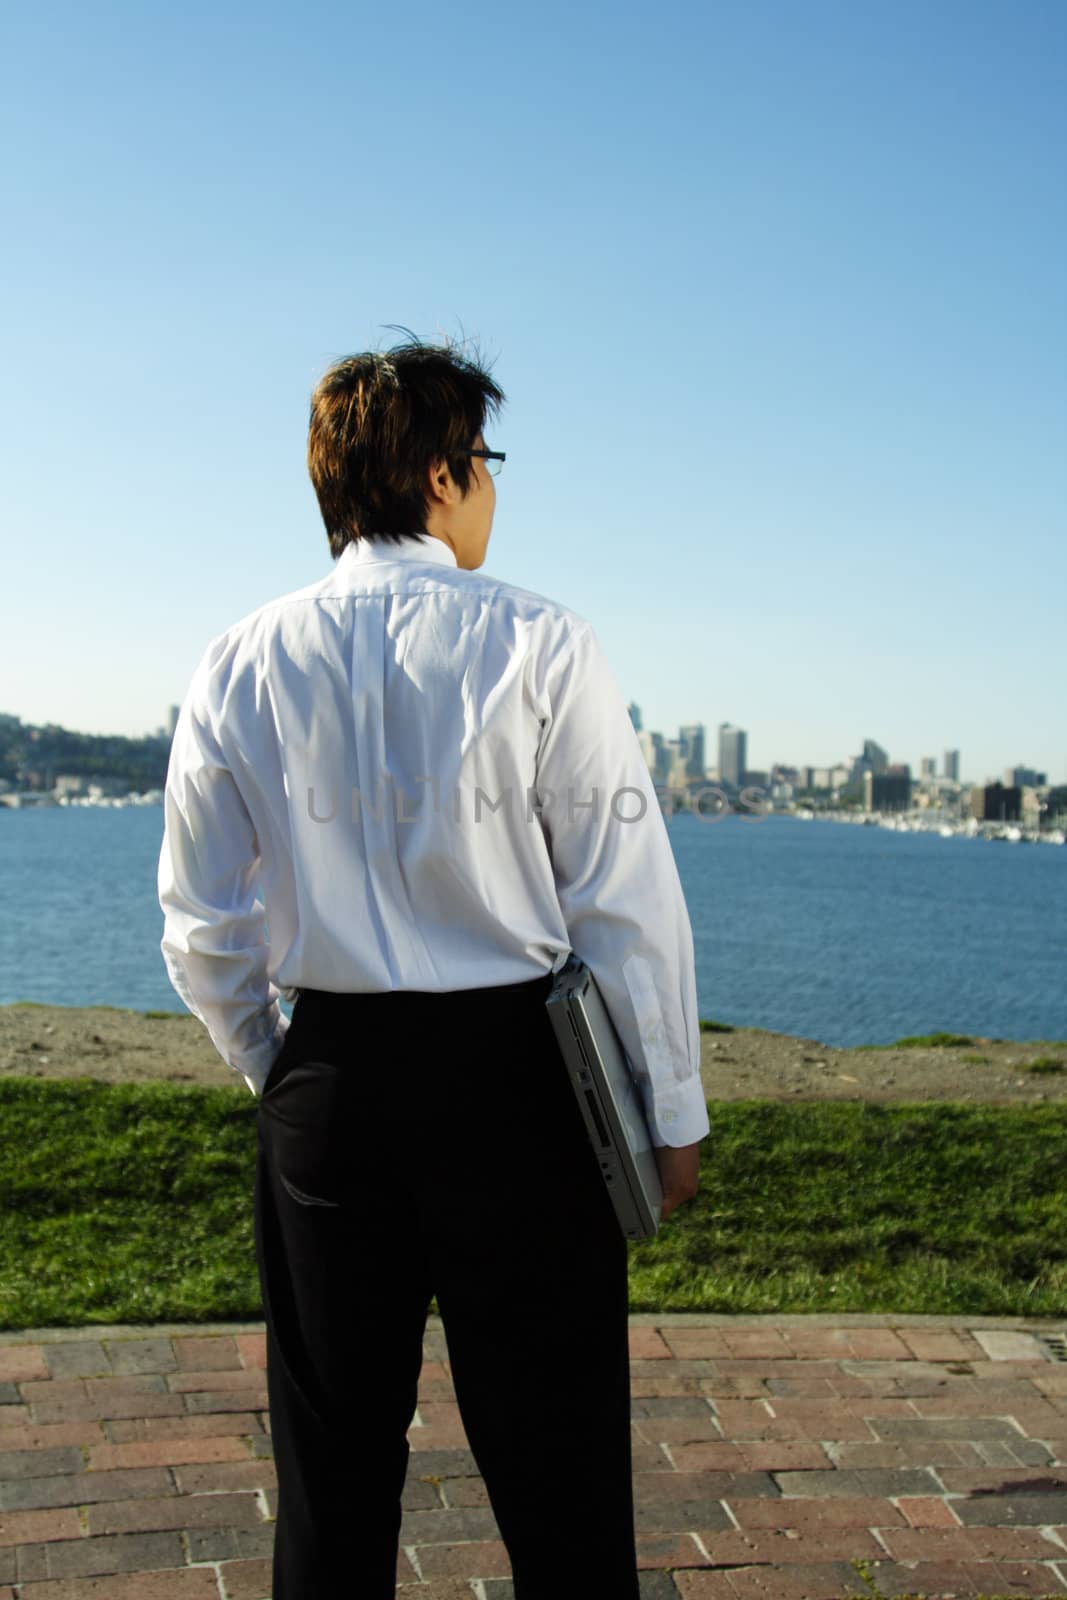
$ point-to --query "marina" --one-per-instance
(935, 822)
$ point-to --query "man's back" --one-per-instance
(382, 726)
(435, 780)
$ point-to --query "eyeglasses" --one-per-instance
(494, 460)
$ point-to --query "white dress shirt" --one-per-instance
(422, 778)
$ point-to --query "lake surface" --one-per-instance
(847, 935)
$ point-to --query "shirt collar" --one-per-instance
(362, 552)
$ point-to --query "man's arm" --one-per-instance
(618, 886)
(215, 933)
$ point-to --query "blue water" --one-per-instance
(842, 934)
(854, 935)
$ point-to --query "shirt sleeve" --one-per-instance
(618, 886)
(215, 941)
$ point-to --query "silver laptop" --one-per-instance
(608, 1096)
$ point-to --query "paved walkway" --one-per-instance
(802, 1458)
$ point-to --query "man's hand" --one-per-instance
(678, 1174)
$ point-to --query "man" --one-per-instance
(425, 781)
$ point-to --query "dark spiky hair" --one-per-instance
(379, 422)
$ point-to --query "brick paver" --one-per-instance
(796, 1458)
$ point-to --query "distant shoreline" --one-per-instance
(930, 819)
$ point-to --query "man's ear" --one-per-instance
(440, 484)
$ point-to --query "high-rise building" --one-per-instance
(733, 754)
(993, 802)
(1025, 777)
(878, 758)
(873, 762)
(928, 767)
(679, 771)
(172, 720)
(662, 759)
(887, 791)
(635, 715)
(691, 740)
(952, 765)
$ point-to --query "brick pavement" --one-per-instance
(800, 1458)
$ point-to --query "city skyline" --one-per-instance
(1054, 774)
(48, 766)
(947, 762)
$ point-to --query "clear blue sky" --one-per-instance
(776, 289)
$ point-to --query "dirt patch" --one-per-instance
(108, 1044)
(751, 1065)
(127, 1046)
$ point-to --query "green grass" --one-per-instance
(46, 1005)
(1043, 1065)
(125, 1203)
(707, 1025)
(924, 1041)
(133, 1203)
(833, 1206)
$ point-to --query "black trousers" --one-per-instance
(412, 1144)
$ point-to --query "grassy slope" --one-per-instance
(133, 1203)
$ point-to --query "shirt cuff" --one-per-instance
(254, 1064)
(677, 1115)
